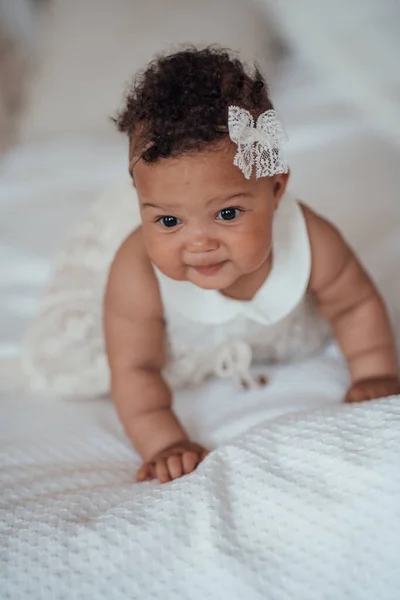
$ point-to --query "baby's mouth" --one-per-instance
(211, 269)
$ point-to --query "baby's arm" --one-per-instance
(347, 297)
(134, 331)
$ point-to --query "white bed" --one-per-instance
(301, 498)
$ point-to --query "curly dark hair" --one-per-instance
(179, 104)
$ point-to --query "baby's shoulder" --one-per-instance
(132, 252)
(330, 252)
(132, 283)
(320, 230)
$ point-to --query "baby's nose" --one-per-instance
(200, 239)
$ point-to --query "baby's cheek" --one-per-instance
(165, 255)
(253, 249)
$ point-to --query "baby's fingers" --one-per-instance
(175, 466)
(162, 471)
(354, 396)
(145, 473)
(190, 461)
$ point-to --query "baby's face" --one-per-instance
(202, 221)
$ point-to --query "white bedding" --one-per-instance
(306, 505)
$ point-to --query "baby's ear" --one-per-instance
(279, 187)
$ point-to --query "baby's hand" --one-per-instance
(173, 462)
(371, 389)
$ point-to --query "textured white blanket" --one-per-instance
(306, 507)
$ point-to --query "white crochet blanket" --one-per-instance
(306, 507)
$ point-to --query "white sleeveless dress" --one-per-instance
(208, 334)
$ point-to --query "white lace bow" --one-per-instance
(260, 144)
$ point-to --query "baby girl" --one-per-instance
(223, 267)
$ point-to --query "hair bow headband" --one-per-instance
(259, 144)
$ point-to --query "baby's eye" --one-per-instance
(169, 221)
(228, 214)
